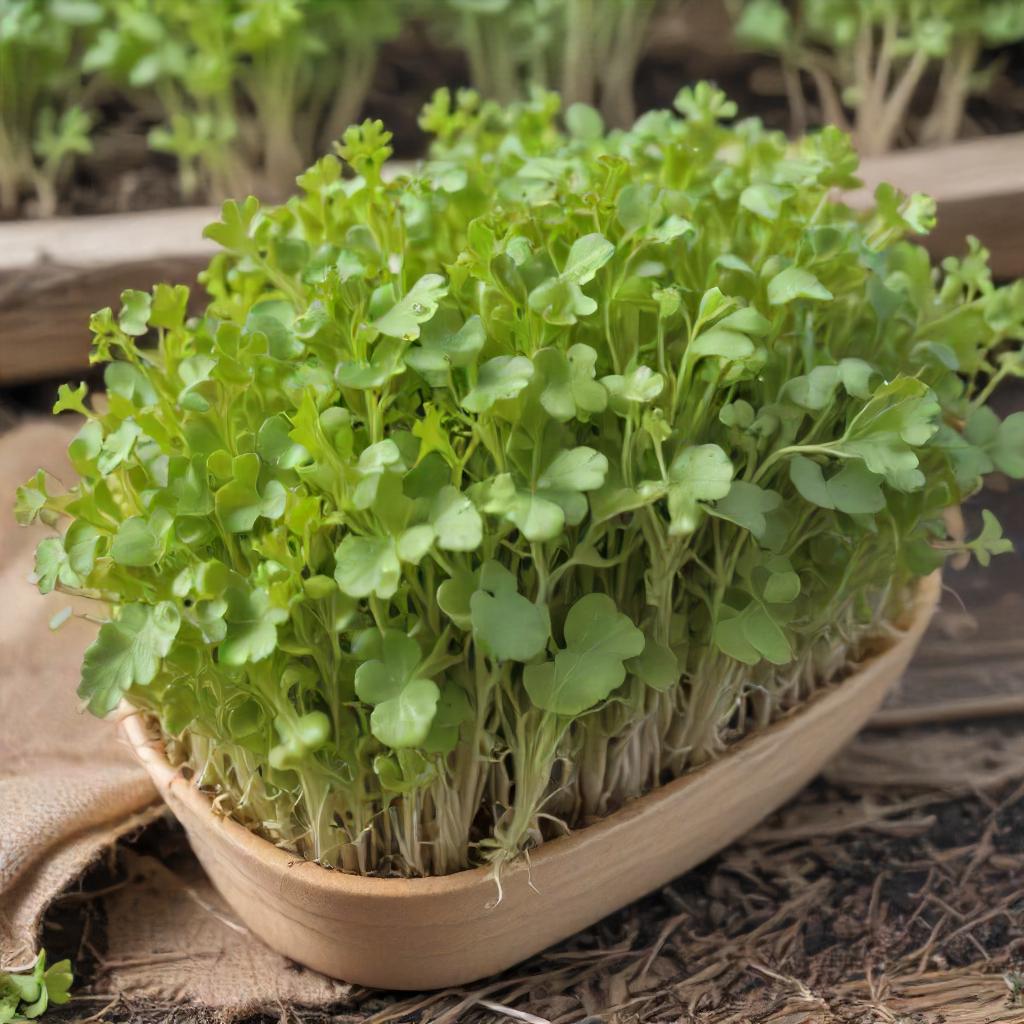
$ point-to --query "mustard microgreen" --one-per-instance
(874, 59)
(26, 995)
(477, 502)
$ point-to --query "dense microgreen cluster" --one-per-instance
(26, 995)
(44, 123)
(587, 49)
(880, 58)
(481, 500)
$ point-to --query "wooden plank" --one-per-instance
(54, 273)
(979, 187)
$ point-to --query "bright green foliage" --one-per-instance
(26, 995)
(873, 57)
(43, 124)
(503, 491)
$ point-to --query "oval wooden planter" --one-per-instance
(425, 933)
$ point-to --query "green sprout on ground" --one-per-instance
(878, 58)
(586, 49)
(249, 93)
(25, 995)
(484, 499)
(44, 121)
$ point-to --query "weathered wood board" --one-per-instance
(55, 273)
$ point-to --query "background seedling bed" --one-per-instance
(124, 225)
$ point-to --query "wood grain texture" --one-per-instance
(429, 933)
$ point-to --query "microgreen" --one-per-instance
(249, 92)
(44, 123)
(477, 502)
(873, 58)
(587, 49)
(26, 995)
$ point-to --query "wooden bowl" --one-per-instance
(426, 933)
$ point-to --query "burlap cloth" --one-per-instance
(69, 789)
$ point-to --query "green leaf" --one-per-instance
(453, 598)
(586, 257)
(500, 378)
(240, 502)
(505, 624)
(990, 541)
(854, 489)
(900, 417)
(27, 996)
(404, 703)
(584, 122)
(233, 228)
(747, 505)
(656, 665)
(699, 473)
(796, 283)
(135, 544)
(570, 390)
(52, 566)
(69, 400)
(453, 709)
(417, 306)
(367, 565)
(117, 446)
(599, 639)
(405, 720)
(814, 390)
(81, 542)
(1002, 441)
(440, 351)
(638, 387)
(252, 623)
(765, 24)
(413, 544)
(300, 737)
(721, 342)
(169, 306)
(750, 635)
(135, 309)
(385, 362)
(455, 520)
(30, 499)
(766, 636)
(127, 652)
(579, 469)
(765, 200)
(561, 302)
(782, 588)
